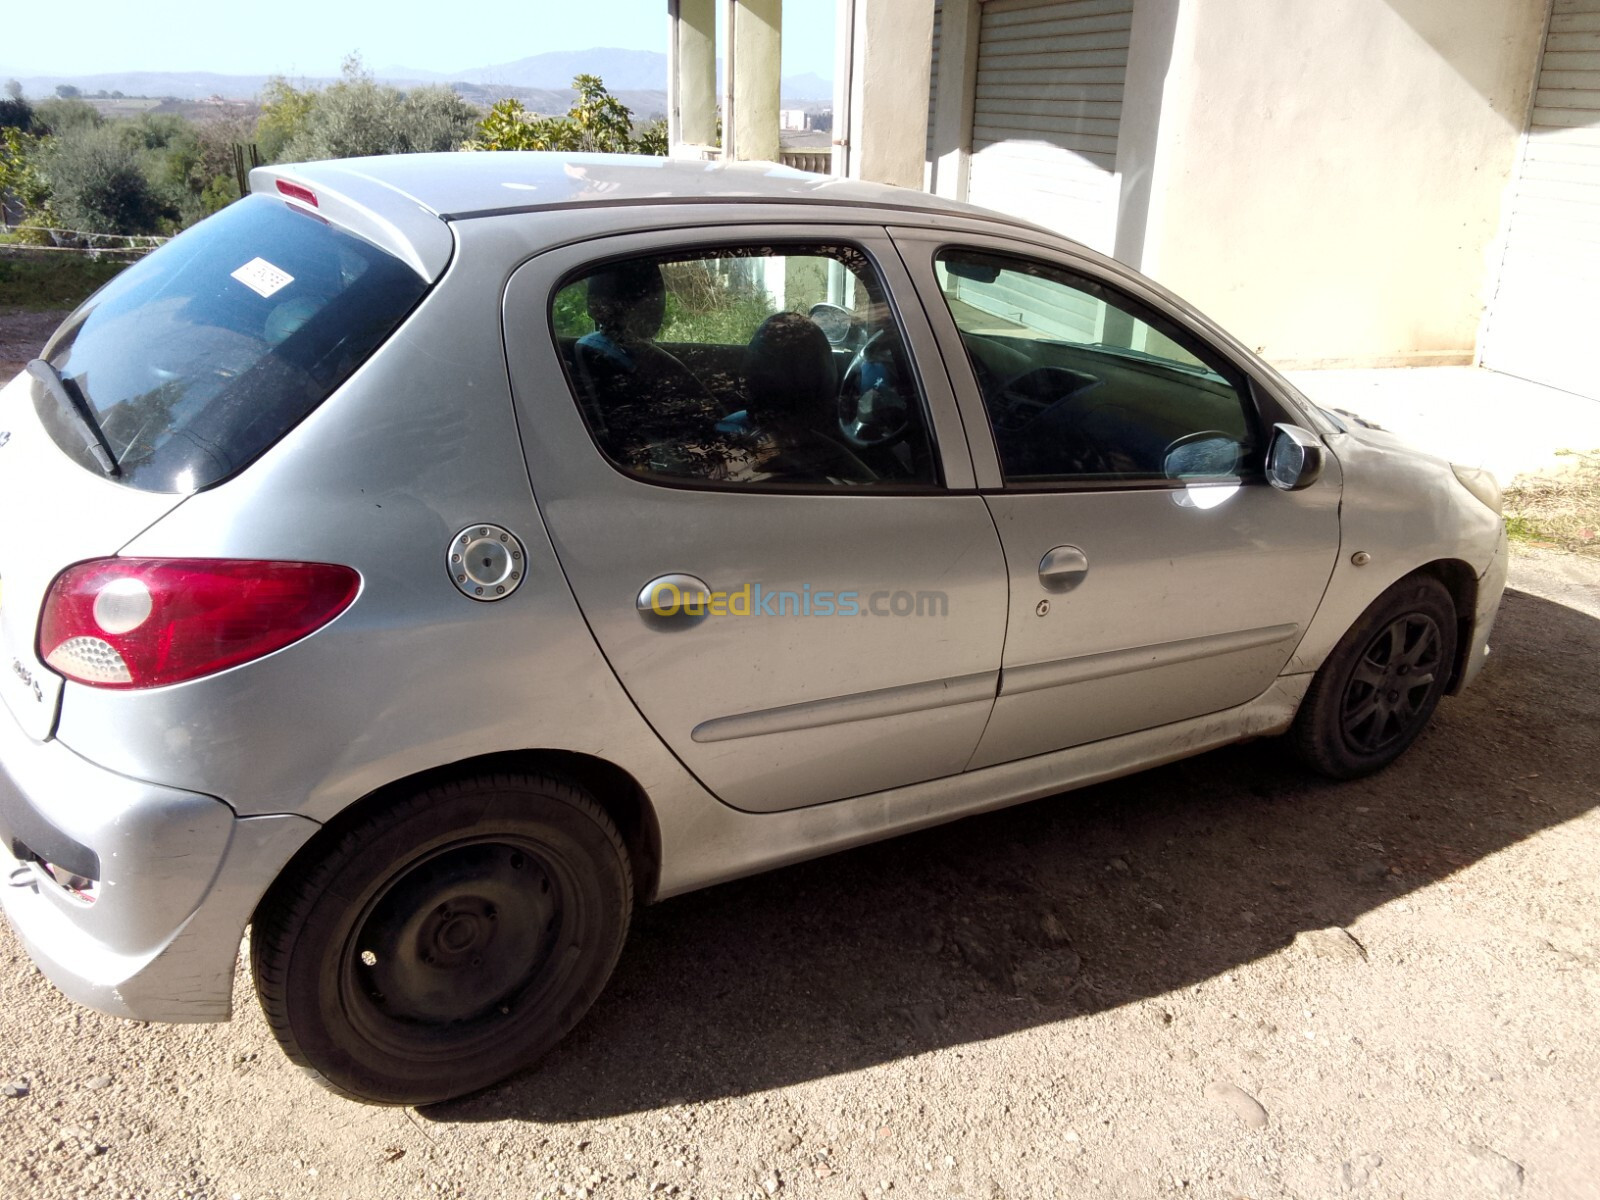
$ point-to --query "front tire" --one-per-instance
(442, 942)
(1377, 691)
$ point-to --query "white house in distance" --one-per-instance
(1340, 182)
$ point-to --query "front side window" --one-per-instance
(1085, 385)
(751, 366)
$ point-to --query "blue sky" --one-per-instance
(311, 37)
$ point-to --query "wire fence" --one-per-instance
(83, 241)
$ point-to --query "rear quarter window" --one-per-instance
(200, 357)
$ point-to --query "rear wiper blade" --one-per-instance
(94, 437)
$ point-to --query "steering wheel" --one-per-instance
(872, 410)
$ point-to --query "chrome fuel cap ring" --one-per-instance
(486, 562)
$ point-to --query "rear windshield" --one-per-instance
(196, 359)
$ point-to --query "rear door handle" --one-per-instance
(1063, 569)
(675, 599)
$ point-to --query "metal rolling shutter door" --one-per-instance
(1545, 315)
(933, 92)
(1047, 104)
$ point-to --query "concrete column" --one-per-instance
(757, 78)
(1160, 27)
(888, 89)
(953, 96)
(692, 106)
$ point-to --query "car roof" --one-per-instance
(400, 200)
(459, 185)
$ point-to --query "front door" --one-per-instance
(1154, 574)
(768, 549)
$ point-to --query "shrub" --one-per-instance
(358, 116)
(97, 184)
(597, 121)
(62, 116)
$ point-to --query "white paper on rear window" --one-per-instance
(262, 278)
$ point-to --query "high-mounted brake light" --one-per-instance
(146, 622)
(297, 191)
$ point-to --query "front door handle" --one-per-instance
(673, 601)
(1063, 569)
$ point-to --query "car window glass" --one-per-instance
(746, 366)
(199, 357)
(1082, 383)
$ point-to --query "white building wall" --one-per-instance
(1331, 172)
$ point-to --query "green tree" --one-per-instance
(16, 113)
(652, 139)
(597, 121)
(285, 111)
(60, 116)
(98, 184)
(67, 91)
(20, 179)
(359, 116)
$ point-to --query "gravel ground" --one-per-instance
(1218, 979)
(23, 334)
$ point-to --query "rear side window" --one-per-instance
(746, 366)
(198, 358)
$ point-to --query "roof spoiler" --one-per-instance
(367, 207)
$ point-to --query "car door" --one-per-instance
(801, 617)
(1155, 575)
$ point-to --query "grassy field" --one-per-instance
(1560, 511)
(51, 280)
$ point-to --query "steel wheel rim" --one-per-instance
(450, 951)
(1387, 695)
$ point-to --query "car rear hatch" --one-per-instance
(56, 513)
(171, 379)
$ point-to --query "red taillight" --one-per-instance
(145, 622)
(297, 191)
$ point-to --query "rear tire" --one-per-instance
(1377, 691)
(441, 943)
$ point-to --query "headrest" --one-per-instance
(627, 300)
(790, 371)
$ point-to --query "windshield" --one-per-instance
(198, 358)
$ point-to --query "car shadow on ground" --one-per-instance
(1069, 905)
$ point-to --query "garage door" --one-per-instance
(931, 155)
(1046, 107)
(1542, 322)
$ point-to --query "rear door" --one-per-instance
(685, 427)
(1155, 575)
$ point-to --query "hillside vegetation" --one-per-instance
(71, 177)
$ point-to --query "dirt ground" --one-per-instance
(23, 333)
(1219, 979)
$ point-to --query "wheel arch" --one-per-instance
(1461, 581)
(613, 788)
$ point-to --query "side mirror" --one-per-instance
(1204, 456)
(1294, 458)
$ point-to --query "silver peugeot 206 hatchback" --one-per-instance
(438, 555)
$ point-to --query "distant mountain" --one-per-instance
(185, 85)
(809, 86)
(624, 71)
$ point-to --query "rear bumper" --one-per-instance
(174, 877)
